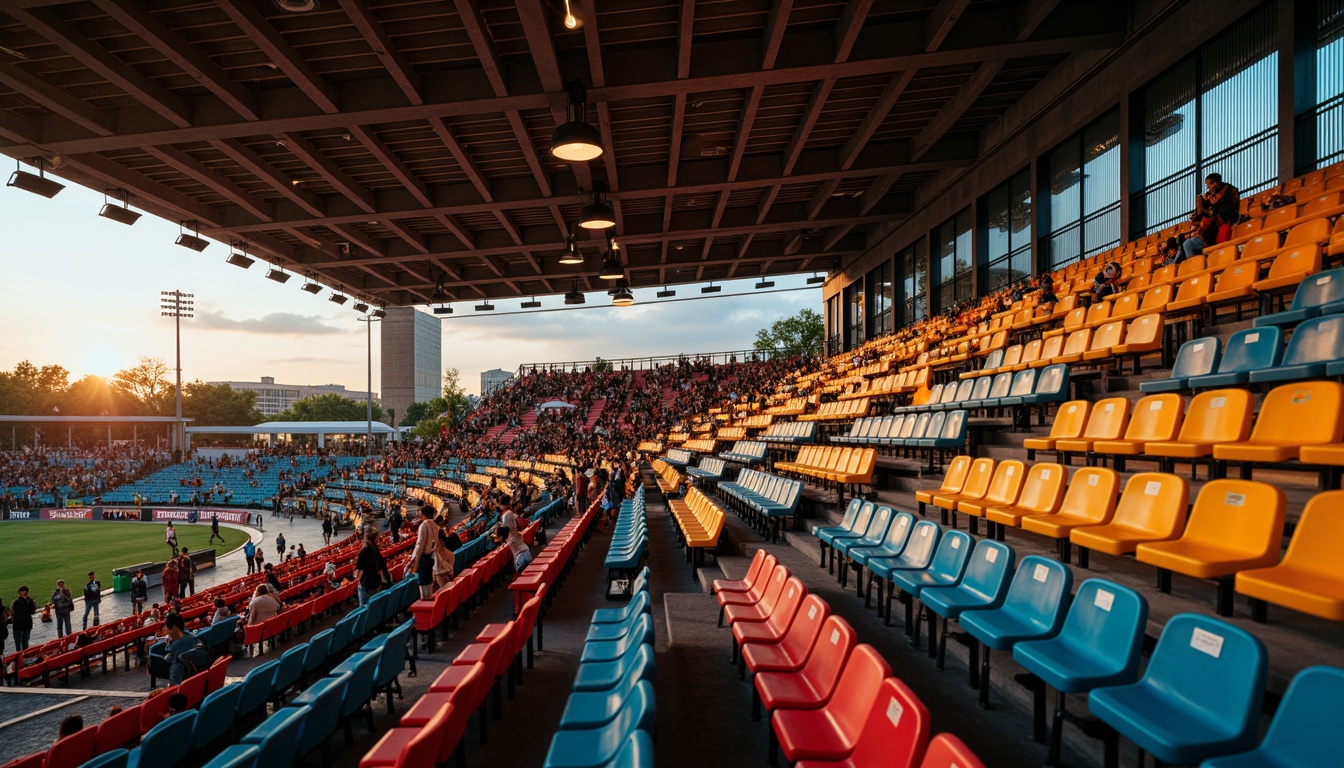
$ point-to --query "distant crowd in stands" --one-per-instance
(38, 476)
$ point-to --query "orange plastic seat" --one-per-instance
(1234, 283)
(975, 487)
(1143, 334)
(1069, 422)
(1050, 349)
(1152, 508)
(1106, 422)
(1155, 418)
(1075, 346)
(1213, 417)
(1235, 525)
(1309, 578)
(1104, 340)
(1004, 488)
(1042, 493)
(953, 480)
(1190, 293)
(1031, 352)
(1289, 267)
(1292, 415)
(1089, 499)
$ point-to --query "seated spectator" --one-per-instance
(273, 580)
(221, 610)
(186, 655)
(70, 725)
(262, 606)
(1107, 282)
(177, 704)
(1216, 211)
(1174, 252)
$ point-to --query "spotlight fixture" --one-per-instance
(191, 239)
(240, 259)
(666, 293)
(379, 313)
(485, 307)
(37, 183)
(622, 297)
(278, 275)
(711, 288)
(533, 304)
(598, 214)
(312, 287)
(337, 298)
(360, 307)
(575, 140)
(446, 309)
(816, 280)
(574, 297)
(440, 294)
(571, 21)
(122, 214)
(765, 284)
(571, 253)
(611, 265)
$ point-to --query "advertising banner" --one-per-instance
(200, 516)
(25, 514)
(68, 514)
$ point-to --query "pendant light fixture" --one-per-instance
(598, 214)
(622, 297)
(575, 296)
(575, 140)
(571, 253)
(611, 265)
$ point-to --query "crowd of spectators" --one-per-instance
(34, 476)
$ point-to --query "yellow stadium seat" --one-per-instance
(1075, 346)
(1031, 352)
(1260, 246)
(1069, 422)
(1216, 416)
(1234, 283)
(1004, 488)
(975, 487)
(1088, 500)
(1074, 320)
(1191, 293)
(1289, 267)
(1104, 340)
(1126, 305)
(1155, 299)
(1098, 314)
(953, 480)
(1042, 492)
(1309, 578)
(1152, 508)
(1235, 525)
(1142, 335)
(1292, 415)
(1106, 422)
(1219, 257)
(1155, 418)
(1162, 275)
(1050, 349)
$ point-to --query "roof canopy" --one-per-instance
(299, 428)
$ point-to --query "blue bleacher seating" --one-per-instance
(1303, 730)
(746, 452)
(1315, 344)
(1319, 294)
(1246, 351)
(1197, 357)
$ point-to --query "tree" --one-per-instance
(801, 334)
(219, 405)
(30, 390)
(95, 396)
(418, 412)
(328, 407)
(456, 404)
(601, 366)
(148, 384)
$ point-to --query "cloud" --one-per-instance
(275, 323)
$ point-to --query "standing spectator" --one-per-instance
(21, 611)
(62, 604)
(93, 595)
(581, 480)
(260, 559)
(370, 568)
(280, 547)
(170, 538)
(249, 554)
(171, 581)
(4, 629)
(214, 530)
(188, 568)
(432, 565)
(326, 530)
(139, 593)
(394, 522)
(274, 580)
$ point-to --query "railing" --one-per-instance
(1251, 165)
(1324, 126)
(655, 361)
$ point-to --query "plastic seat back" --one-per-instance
(1238, 516)
(1218, 416)
(121, 729)
(1314, 548)
(977, 480)
(216, 715)
(290, 669)
(829, 654)
(856, 693)
(1042, 489)
(995, 358)
(1125, 305)
(1306, 413)
(1052, 383)
(1000, 386)
(169, 742)
(955, 477)
(1197, 357)
(1091, 495)
(1319, 339)
(1098, 313)
(1075, 319)
(1156, 417)
(982, 385)
(948, 751)
(1038, 594)
(1107, 336)
(1077, 342)
(1153, 504)
(896, 731)
(1105, 626)
(1321, 289)
(73, 750)
(1052, 347)
(1305, 726)
(1023, 383)
(806, 626)
(1010, 356)
(1107, 420)
(988, 572)
(1155, 299)
(1070, 419)
(1238, 275)
(1006, 483)
(1195, 287)
(1300, 260)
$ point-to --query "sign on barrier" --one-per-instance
(85, 513)
(24, 514)
(201, 516)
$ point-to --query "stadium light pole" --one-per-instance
(368, 321)
(177, 305)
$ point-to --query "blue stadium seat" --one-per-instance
(288, 673)
(167, 744)
(277, 738)
(1197, 357)
(1199, 698)
(1246, 351)
(1024, 383)
(999, 387)
(871, 537)
(1313, 293)
(1099, 645)
(916, 555)
(597, 708)
(640, 633)
(984, 585)
(637, 753)
(392, 655)
(256, 689)
(1315, 343)
(319, 648)
(361, 665)
(323, 698)
(1032, 610)
(115, 758)
(235, 756)
(216, 712)
(857, 516)
(639, 605)
(891, 545)
(1303, 730)
(946, 570)
(1052, 386)
(602, 676)
(593, 747)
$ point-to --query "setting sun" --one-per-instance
(101, 360)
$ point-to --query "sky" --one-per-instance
(83, 292)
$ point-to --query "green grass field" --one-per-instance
(37, 553)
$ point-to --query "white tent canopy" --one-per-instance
(320, 428)
(555, 404)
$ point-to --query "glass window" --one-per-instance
(1215, 112)
(1084, 193)
(854, 314)
(1008, 232)
(1326, 121)
(914, 264)
(881, 297)
(955, 273)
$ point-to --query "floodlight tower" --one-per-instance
(177, 305)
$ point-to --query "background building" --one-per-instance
(412, 359)
(494, 379)
(273, 398)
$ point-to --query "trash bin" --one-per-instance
(121, 580)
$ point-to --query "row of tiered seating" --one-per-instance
(708, 471)
(1258, 356)
(699, 521)
(746, 452)
(608, 720)
(629, 540)
(790, 432)
(679, 457)
(1003, 390)
(831, 700)
(763, 499)
(669, 479)
(833, 465)
(839, 410)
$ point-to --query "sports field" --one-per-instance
(37, 553)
